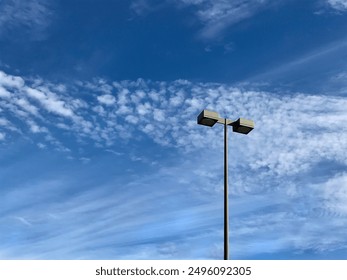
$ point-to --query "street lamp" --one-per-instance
(243, 126)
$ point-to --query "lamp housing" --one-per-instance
(208, 118)
(243, 126)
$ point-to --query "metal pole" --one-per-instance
(226, 215)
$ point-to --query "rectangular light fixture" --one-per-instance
(208, 118)
(243, 126)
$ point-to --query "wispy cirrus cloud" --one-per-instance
(141, 7)
(340, 5)
(217, 16)
(146, 7)
(328, 77)
(98, 222)
(167, 223)
(32, 16)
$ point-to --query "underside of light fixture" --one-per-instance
(208, 118)
(243, 126)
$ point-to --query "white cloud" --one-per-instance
(41, 145)
(148, 128)
(34, 128)
(140, 7)
(144, 109)
(84, 160)
(333, 193)
(124, 110)
(132, 119)
(10, 80)
(340, 5)
(2, 136)
(23, 221)
(4, 122)
(177, 99)
(7, 125)
(158, 115)
(50, 102)
(106, 99)
(340, 77)
(217, 15)
(31, 15)
(145, 7)
(24, 104)
(4, 93)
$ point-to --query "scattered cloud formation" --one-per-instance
(294, 134)
(304, 125)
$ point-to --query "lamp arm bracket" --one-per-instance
(222, 121)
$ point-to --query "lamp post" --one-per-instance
(243, 126)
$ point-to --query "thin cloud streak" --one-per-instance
(216, 16)
(340, 5)
(32, 16)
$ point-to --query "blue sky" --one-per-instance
(100, 153)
